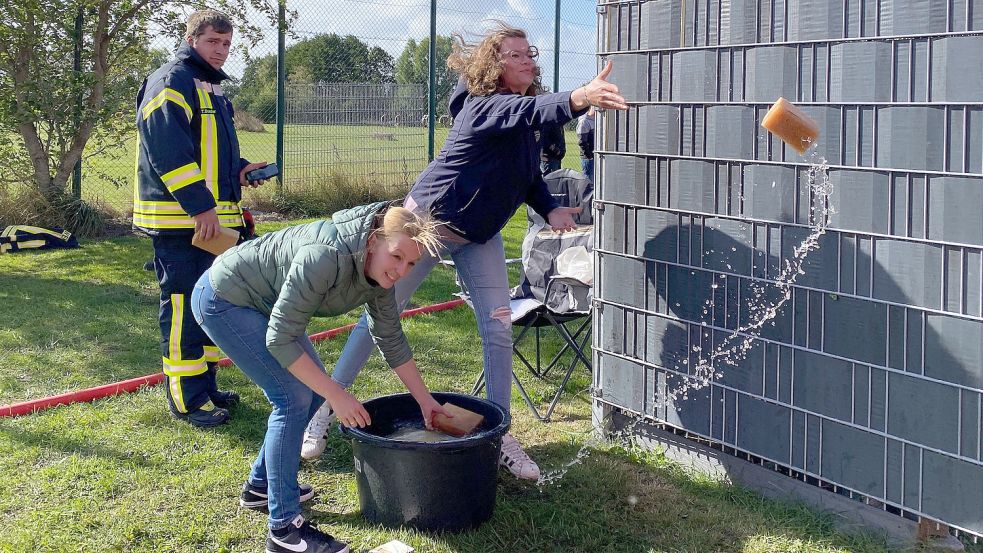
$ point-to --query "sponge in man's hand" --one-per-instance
(461, 424)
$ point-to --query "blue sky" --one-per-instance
(389, 24)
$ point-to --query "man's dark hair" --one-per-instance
(201, 20)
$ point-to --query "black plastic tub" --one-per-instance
(434, 486)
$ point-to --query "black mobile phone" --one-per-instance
(263, 173)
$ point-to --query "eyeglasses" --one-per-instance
(515, 55)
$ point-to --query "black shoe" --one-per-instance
(205, 416)
(225, 400)
(302, 537)
(254, 497)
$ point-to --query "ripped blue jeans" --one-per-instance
(481, 269)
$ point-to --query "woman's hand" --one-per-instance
(349, 410)
(429, 407)
(561, 218)
(598, 93)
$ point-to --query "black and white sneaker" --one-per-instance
(302, 537)
(254, 497)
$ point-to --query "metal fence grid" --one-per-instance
(369, 46)
(869, 377)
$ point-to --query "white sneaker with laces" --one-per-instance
(314, 435)
(516, 460)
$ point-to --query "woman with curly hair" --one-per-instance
(488, 167)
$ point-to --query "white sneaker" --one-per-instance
(516, 460)
(314, 435)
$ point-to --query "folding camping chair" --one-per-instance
(546, 300)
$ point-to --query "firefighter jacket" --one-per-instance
(187, 151)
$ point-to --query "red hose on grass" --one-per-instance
(134, 384)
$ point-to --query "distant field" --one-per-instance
(391, 154)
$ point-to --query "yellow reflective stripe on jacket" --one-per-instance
(181, 177)
(168, 94)
(209, 137)
(180, 222)
(212, 354)
(184, 368)
(170, 215)
(165, 206)
(136, 172)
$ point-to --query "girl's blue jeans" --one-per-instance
(241, 333)
(482, 272)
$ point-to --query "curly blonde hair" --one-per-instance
(481, 64)
(422, 229)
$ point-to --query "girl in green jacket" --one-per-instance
(255, 303)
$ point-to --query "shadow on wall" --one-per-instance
(868, 368)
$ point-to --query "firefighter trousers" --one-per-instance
(189, 356)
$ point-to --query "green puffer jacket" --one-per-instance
(307, 270)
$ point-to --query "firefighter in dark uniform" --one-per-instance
(189, 180)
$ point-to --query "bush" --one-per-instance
(324, 195)
(245, 121)
(25, 205)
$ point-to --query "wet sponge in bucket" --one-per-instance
(461, 424)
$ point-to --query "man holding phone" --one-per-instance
(189, 183)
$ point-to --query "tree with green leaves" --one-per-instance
(327, 58)
(56, 110)
(413, 67)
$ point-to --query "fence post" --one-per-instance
(432, 72)
(556, 49)
(77, 66)
(281, 73)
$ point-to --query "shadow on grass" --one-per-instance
(90, 320)
(68, 445)
(614, 501)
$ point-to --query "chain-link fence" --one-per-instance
(356, 94)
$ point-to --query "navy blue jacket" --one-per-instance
(187, 151)
(489, 164)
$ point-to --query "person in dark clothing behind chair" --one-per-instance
(585, 139)
(189, 181)
(553, 146)
(487, 168)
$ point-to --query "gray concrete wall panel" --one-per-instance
(870, 375)
(956, 75)
(908, 272)
(943, 476)
(823, 385)
(912, 17)
(860, 72)
(764, 428)
(771, 71)
(853, 457)
(814, 20)
(924, 139)
(954, 350)
(954, 207)
(920, 411)
(862, 201)
(694, 76)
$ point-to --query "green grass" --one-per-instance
(121, 475)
